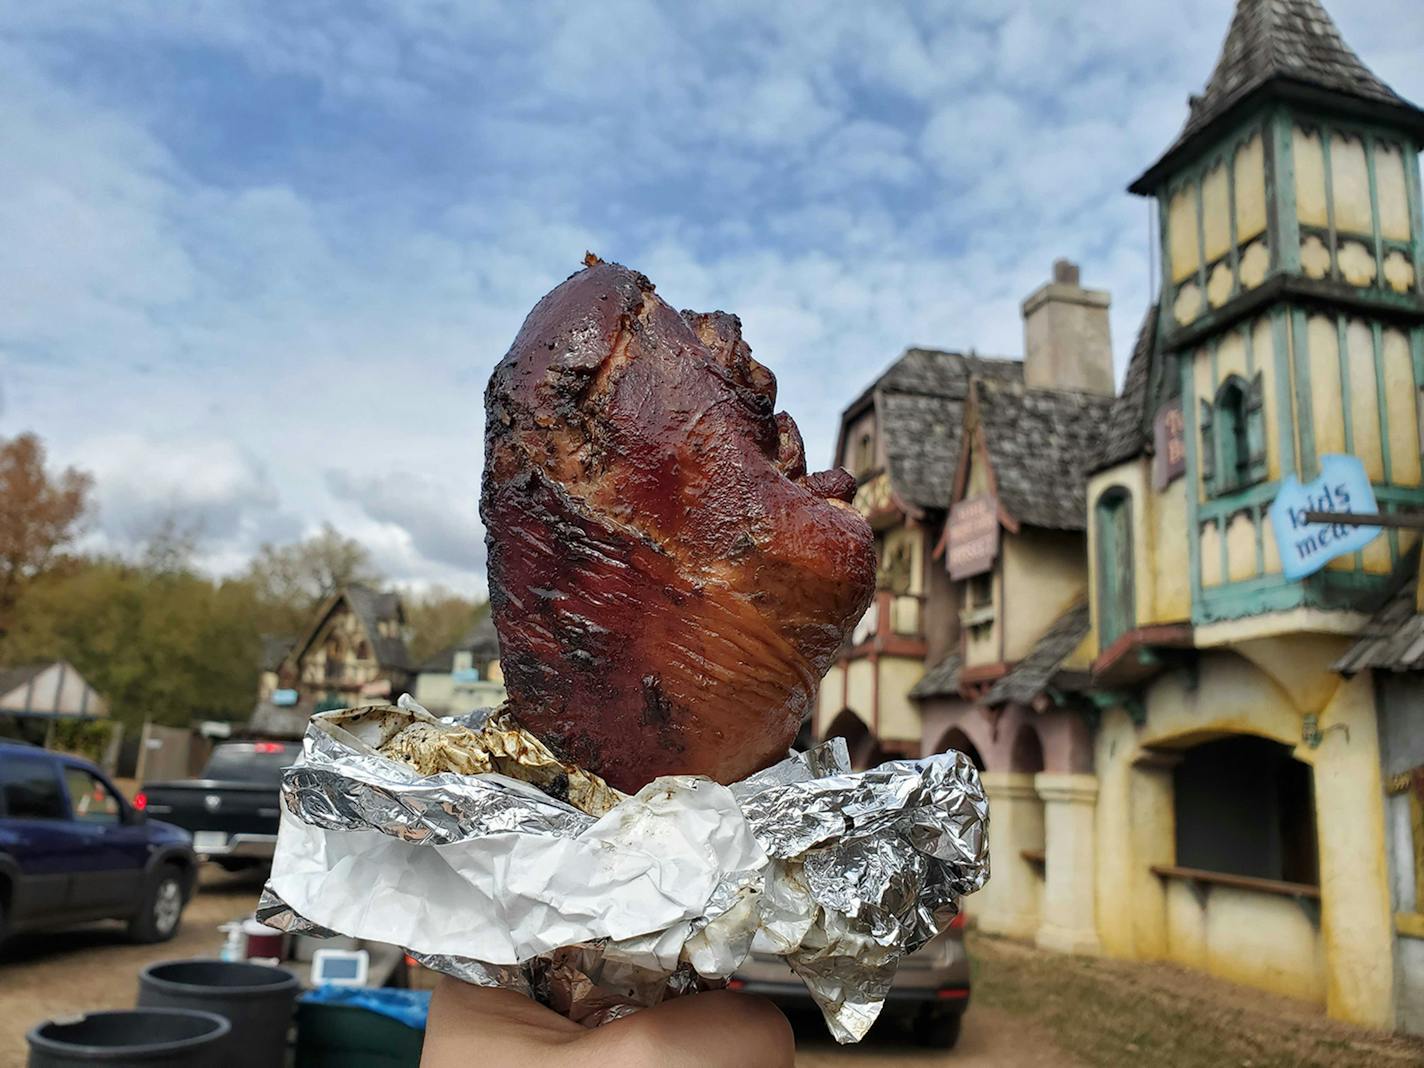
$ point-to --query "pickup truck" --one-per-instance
(73, 850)
(232, 808)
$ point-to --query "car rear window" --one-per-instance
(31, 789)
(260, 763)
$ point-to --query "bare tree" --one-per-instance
(299, 576)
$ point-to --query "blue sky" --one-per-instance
(258, 258)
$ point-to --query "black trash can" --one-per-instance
(255, 999)
(135, 1038)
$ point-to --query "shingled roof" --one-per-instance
(1035, 672)
(942, 680)
(1287, 45)
(1041, 443)
(1129, 422)
(919, 404)
(1394, 639)
(371, 607)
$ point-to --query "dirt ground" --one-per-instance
(1030, 1009)
(94, 967)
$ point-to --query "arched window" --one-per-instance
(1233, 431)
(1117, 608)
(1246, 806)
(865, 751)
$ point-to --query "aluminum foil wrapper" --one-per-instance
(540, 878)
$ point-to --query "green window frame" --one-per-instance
(1233, 435)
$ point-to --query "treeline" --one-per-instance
(159, 638)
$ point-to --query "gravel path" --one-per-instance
(95, 967)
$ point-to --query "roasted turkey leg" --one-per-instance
(668, 583)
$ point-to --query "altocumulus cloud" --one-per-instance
(260, 258)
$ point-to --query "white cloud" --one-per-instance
(259, 261)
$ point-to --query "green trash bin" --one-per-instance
(348, 1036)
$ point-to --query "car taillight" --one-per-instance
(140, 801)
(736, 984)
(957, 924)
(267, 747)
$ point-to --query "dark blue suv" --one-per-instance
(73, 850)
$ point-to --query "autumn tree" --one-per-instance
(39, 515)
(437, 619)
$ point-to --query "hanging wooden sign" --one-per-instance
(1169, 440)
(972, 536)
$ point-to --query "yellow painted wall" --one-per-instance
(1401, 403)
(981, 643)
(1044, 572)
(1364, 397)
(829, 699)
(1183, 247)
(1162, 584)
(1350, 184)
(1249, 937)
(899, 716)
(1309, 163)
(1392, 191)
(1250, 179)
(860, 694)
(1216, 212)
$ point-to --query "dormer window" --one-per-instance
(1233, 436)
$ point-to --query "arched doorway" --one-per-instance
(1027, 753)
(954, 738)
(864, 750)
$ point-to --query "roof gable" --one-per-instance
(1292, 44)
(371, 608)
(1039, 445)
(919, 405)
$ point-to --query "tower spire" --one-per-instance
(1292, 49)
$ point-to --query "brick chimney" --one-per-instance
(1066, 339)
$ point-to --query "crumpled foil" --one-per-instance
(495, 880)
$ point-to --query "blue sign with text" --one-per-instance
(1343, 486)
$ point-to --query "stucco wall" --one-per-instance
(1138, 917)
(1044, 572)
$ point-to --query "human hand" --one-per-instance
(493, 1028)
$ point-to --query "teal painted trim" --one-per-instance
(1401, 495)
(1416, 211)
(1251, 598)
(1333, 240)
(1242, 500)
(1285, 419)
(1258, 517)
(1191, 410)
(1305, 414)
(1245, 329)
(1222, 526)
(1346, 404)
(1369, 142)
(1287, 257)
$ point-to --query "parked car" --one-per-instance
(73, 850)
(930, 992)
(232, 808)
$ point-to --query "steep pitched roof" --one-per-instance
(481, 639)
(942, 680)
(374, 607)
(275, 648)
(1394, 639)
(1283, 43)
(1129, 422)
(1041, 444)
(1034, 673)
(919, 404)
(371, 607)
(12, 678)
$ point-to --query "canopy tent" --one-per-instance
(53, 690)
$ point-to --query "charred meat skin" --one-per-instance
(668, 583)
